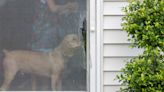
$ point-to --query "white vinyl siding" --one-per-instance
(116, 48)
(112, 88)
(111, 36)
(120, 50)
(116, 10)
(114, 64)
(112, 22)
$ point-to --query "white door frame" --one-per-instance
(96, 45)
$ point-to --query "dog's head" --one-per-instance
(72, 41)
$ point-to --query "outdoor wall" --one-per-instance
(115, 45)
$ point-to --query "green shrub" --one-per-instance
(143, 74)
(144, 23)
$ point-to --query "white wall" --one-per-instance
(115, 45)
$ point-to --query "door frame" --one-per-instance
(95, 48)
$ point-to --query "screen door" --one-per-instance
(43, 45)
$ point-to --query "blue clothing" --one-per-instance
(50, 28)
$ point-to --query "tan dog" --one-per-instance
(45, 64)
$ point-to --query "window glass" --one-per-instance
(43, 45)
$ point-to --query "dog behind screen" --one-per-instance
(49, 64)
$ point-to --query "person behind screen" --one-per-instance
(46, 23)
